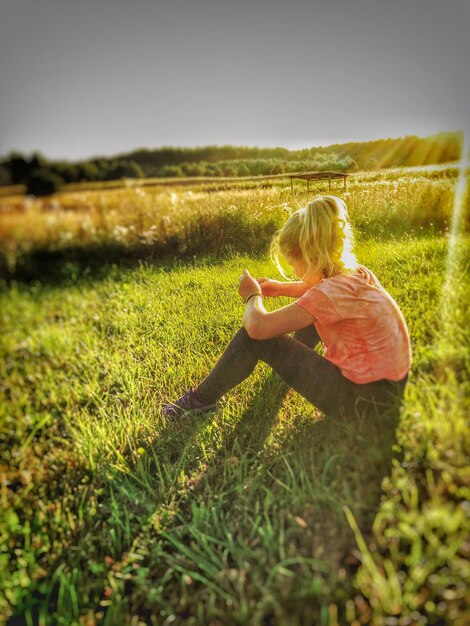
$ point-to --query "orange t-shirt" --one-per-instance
(361, 327)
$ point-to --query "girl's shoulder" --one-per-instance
(355, 295)
(365, 274)
(360, 289)
(357, 280)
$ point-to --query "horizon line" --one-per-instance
(38, 152)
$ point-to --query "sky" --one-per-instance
(86, 78)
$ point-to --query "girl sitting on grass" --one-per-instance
(366, 345)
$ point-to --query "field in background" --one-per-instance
(171, 222)
(265, 512)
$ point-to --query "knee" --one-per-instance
(242, 339)
(242, 335)
(259, 345)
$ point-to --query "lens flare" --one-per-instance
(453, 271)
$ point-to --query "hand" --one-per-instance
(269, 287)
(247, 284)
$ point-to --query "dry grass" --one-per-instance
(176, 221)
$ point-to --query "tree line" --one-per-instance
(42, 176)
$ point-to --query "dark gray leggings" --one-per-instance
(313, 376)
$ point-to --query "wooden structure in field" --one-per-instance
(308, 176)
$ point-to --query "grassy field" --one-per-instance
(96, 227)
(266, 511)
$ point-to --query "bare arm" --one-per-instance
(260, 324)
(290, 289)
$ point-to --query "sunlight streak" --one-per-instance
(456, 227)
(450, 335)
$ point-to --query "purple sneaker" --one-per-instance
(187, 403)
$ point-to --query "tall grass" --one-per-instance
(156, 222)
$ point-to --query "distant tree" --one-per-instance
(43, 182)
(371, 164)
(102, 165)
(87, 170)
(68, 171)
(228, 170)
(192, 169)
(348, 164)
(170, 170)
(258, 167)
(239, 160)
(242, 170)
(134, 170)
(123, 169)
(5, 178)
(18, 167)
(277, 168)
(212, 169)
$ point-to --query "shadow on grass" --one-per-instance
(61, 265)
(95, 263)
(363, 446)
(73, 263)
(343, 460)
(347, 456)
(256, 423)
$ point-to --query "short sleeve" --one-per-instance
(319, 305)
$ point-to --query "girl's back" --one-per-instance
(360, 325)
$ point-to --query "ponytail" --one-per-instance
(319, 234)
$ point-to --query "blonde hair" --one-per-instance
(320, 235)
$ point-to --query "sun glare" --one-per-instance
(453, 274)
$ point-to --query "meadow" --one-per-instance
(265, 511)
